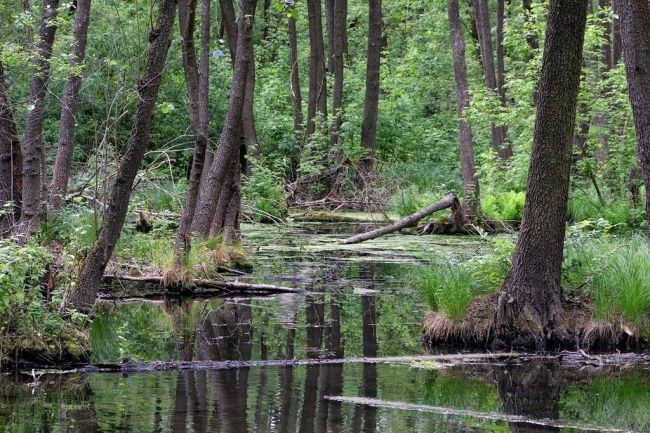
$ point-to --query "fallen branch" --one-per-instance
(448, 201)
(152, 287)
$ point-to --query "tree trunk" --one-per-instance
(531, 38)
(529, 310)
(229, 140)
(635, 38)
(297, 97)
(499, 144)
(330, 12)
(317, 99)
(501, 53)
(65, 148)
(197, 80)
(84, 293)
(617, 48)
(11, 161)
(371, 103)
(33, 140)
(336, 59)
(471, 201)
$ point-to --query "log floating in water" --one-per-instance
(448, 201)
(152, 287)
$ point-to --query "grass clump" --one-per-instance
(623, 285)
(447, 288)
(263, 194)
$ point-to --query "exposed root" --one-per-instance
(475, 330)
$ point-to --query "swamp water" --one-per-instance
(361, 302)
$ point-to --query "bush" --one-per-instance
(263, 193)
(506, 206)
(27, 319)
(409, 201)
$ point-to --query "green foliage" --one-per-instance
(618, 213)
(506, 206)
(408, 201)
(27, 319)
(263, 193)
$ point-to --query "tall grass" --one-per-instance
(447, 288)
(623, 286)
(619, 214)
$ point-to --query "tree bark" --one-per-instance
(617, 48)
(529, 309)
(336, 59)
(294, 81)
(197, 80)
(317, 98)
(635, 38)
(371, 103)
(84, 293)
(448, 201)
(11, 161)
(471, 201)
(33, 140)
(499, 144)
(229, 140)
(501, 53)
(65, 148)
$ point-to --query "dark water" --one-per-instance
(361, 303)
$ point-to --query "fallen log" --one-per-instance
(117, 286)
(434, 361)
(448, 201)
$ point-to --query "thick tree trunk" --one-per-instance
(317, 99)
(33, 140)
(448, 201)
(294, 81)
(336, 59)
(197, 80)
(635, 38)
(229, 140)
(84, 293)
(499, 144)
(11, 161)
(529, 310)
(471, 201)
(65, 148)
(371, 103)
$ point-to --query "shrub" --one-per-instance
(506, 206)
(619, 214)
(264, 193)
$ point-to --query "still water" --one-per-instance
(361, 302)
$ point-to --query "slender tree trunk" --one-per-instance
(635, 38)
(330, 12)
(617, 48)
(63, 162)
(33, 140)
(336, 59)
(531, 38)
(229, 140)
(197, 79)
(499, 144)
(317, 99)
(11, 161)
(501, 53)
(84, 293)
(529, 310)
(471, 196)
(294, 81)
(371, 103)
